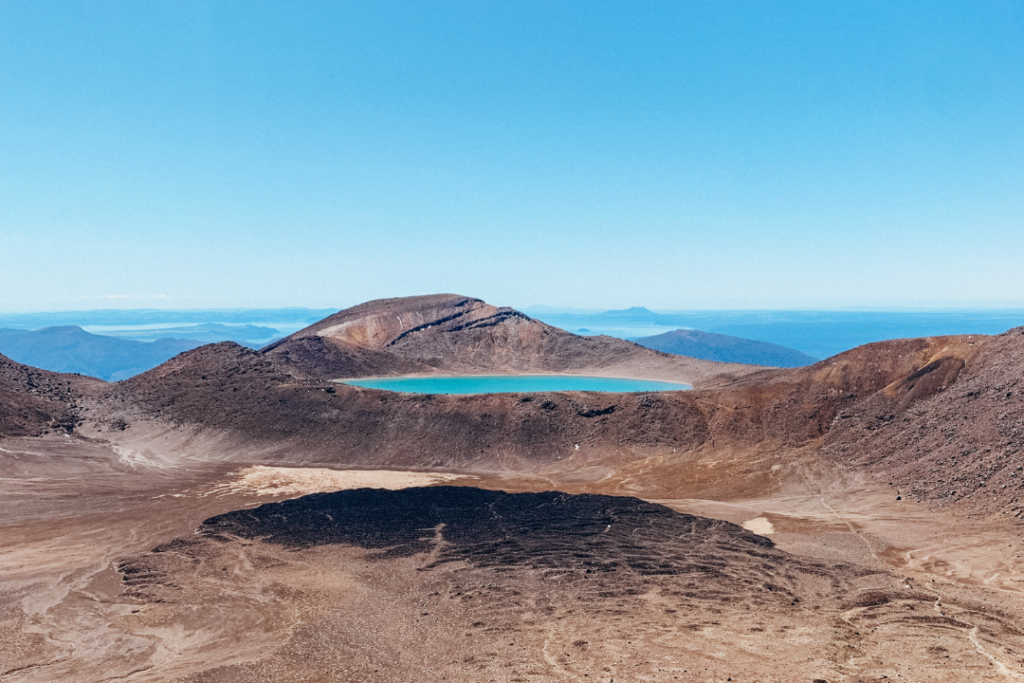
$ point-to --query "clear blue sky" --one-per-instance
(673, 155)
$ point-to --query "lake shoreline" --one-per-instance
(468, 385)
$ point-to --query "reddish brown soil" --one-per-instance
(953, 432)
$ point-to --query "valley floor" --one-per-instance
(905, 592)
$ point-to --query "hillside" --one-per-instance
(71, 349)
(852, 406)
(457, 334)
(34, 401)
(962, 444)
(726, 349)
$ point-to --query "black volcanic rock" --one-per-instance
(605, 547)
(726, 349)
(592, 533)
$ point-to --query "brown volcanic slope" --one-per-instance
(34, 401)
(228, 387)
(958, 395)
(940, 417)
(457, 334)
(951, 432)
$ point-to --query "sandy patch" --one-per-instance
(299, 481)
(759, 525)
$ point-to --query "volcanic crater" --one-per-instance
(580, 535)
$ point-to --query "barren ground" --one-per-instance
(901, 591)
(857, 520)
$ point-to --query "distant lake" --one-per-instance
(504, 384)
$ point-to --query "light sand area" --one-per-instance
(759, 525)
(262, 480)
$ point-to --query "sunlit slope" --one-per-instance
(851, 410)
(448, 333)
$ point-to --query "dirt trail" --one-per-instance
(849, 525)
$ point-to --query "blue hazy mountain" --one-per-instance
(210, 333)
(152, 316)
(71, 349)
(166, 329)
(819, 334)
(725, 348)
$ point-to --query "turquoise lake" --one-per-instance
(504, 384)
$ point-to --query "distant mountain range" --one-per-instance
(71, 349)
(209, 333)
(122, 343)
(820, 334)
(727, 349)
(153, 316)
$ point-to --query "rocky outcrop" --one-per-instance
(34, 402)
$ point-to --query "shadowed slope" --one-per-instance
(33, 401)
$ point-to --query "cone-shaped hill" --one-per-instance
(453, 334)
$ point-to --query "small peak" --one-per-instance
(63, 329)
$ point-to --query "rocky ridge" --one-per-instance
(457, 334)
(853, 409)
(941, 418)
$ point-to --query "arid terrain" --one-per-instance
(238, 515)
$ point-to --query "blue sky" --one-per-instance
(675, 155)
